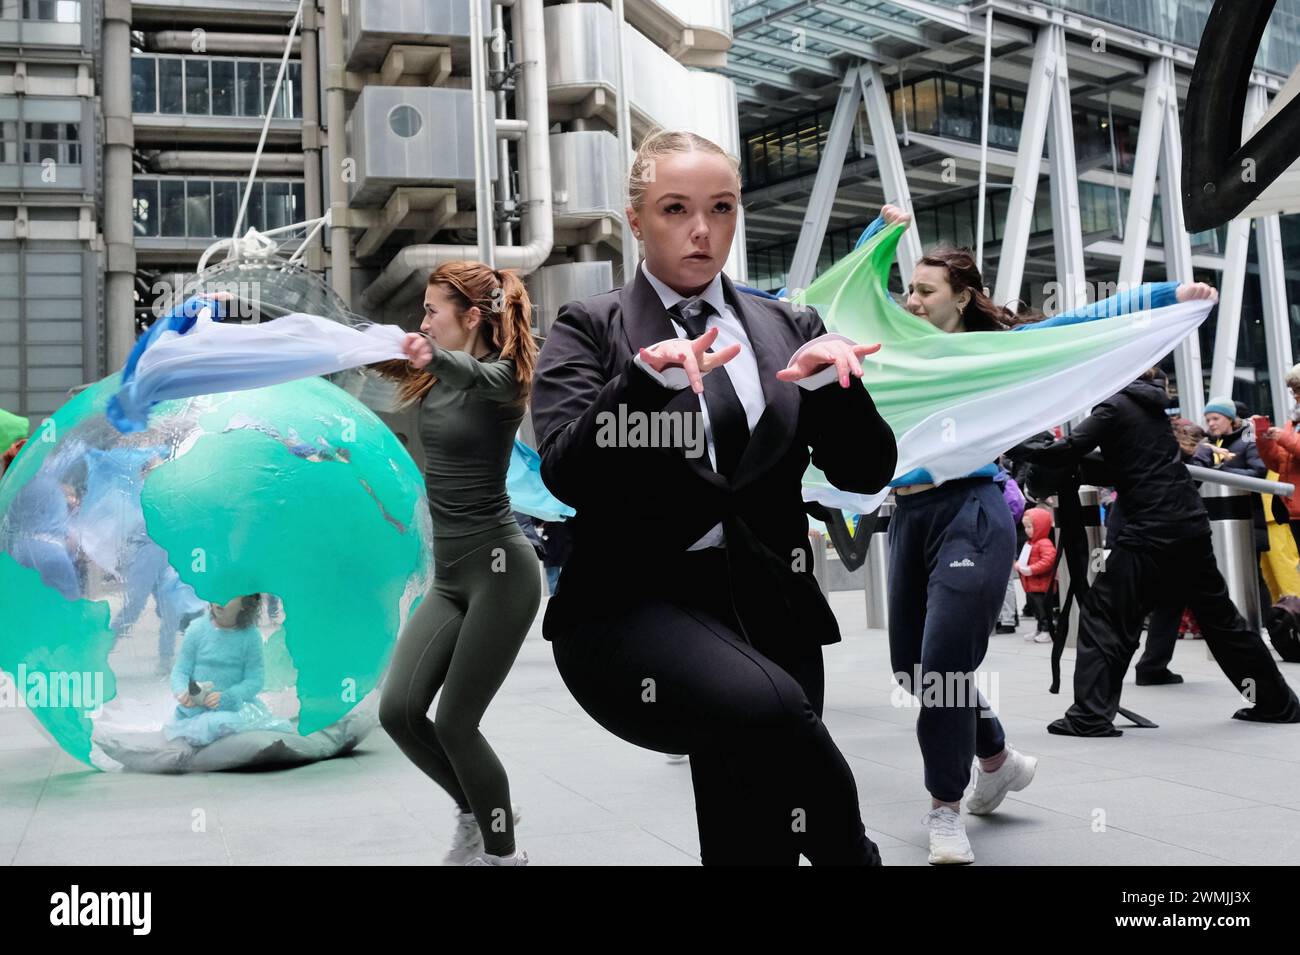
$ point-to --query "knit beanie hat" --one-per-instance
(1222, 405)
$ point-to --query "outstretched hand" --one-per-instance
(845, 357)
(418, 350)
(892, 214)
(692, 355)
(1190, 291)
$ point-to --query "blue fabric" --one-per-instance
(180, 319)
(1144, 297)
(922, 476)
(871, 230)
(749, 290)
(527, 491)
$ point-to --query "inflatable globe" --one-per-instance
(117, 551)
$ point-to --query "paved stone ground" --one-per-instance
(1202, 789)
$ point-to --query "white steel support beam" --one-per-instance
(1178, 250)
(1272, 287)
(803, 59)
(804, 264)
(1277, 325)
(1223, 366)
(1067, 228)
(1137, 226)
(1024, 186)
(1232, 286)
(889, 161)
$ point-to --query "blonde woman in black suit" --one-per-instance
(693, 408)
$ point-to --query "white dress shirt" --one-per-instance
(742, 370)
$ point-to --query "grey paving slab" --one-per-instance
(1202, 789)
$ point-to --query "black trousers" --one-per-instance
(1042, 603)
(1111, 619)
(1162, 637)
(671, 672)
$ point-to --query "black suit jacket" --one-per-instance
(639, 509)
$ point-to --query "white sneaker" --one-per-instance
(520, 857)
(948, 842)
(991, 788)
(467, 840)
(1029, 636)
(1042, 637)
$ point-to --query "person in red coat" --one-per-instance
(1038, 573)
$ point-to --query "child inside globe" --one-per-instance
(218, 675)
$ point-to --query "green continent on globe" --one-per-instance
(241, 513)
(63, 674)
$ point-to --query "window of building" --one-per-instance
(223, 87)
(198, 208)
(196, 87)
(56, 11)
(925, 106)
(268, 87)
(144, 84)
(293, 77)
(279, 205)
(249, 82)
(404, 120)
(9, 141)
(60, 142)
(144, 207)
(225, 206)
(171, 94)
(172, 207)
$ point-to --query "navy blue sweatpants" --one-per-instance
(949, 550)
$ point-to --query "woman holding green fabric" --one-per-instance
(949, 548)
(471, 369)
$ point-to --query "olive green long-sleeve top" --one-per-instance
(468, 422)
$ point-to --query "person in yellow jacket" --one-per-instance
(1279, 563)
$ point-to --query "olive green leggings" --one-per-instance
(463, 638)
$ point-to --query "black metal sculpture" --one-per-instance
(1221, 179)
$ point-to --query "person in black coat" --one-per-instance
(1161, 554)
(702, 633)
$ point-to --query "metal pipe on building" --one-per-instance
(216, 43)
(310, 113)
(213, 160)
(482, 130)
(119, 138)
(535, 158)
(505, 231)
(336, 140)
(629, 253)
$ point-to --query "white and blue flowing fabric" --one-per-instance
(187, 353)
(190, 351)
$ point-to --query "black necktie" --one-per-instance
(727, 421)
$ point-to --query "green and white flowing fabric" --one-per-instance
(955, 402)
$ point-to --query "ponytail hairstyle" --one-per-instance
(1021, 312)
(507, 313)
(980, 314)
(663, 143)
